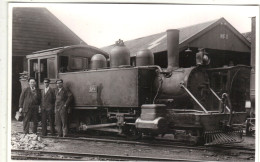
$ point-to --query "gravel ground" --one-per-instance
(34, 142)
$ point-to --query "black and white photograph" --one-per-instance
(121, 81)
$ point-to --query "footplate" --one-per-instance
(223, 137)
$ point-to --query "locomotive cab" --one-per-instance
(49, 63)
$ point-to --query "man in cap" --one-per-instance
(47, 107)
(29, 102)
(63, 98)
(202, 57)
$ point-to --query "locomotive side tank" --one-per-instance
(115, 88)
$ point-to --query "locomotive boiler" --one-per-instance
(111, 95)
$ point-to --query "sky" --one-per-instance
(101, 25)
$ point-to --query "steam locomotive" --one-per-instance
(197, 104)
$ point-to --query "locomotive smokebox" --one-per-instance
(193, 78)
(173, 48)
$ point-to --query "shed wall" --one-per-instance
(221, 38)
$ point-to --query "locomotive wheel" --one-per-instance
(132, 133)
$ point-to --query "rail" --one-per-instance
(154, 143)
(80, 156)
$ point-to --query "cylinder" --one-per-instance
(119, 55)
(98, 61)
(158, 125)
(144, 57)
(173, 48)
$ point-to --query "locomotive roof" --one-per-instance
(60, 50)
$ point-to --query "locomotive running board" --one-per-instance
(220, 137)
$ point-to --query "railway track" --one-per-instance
(154, 142)
(51, 155)
(159, 143)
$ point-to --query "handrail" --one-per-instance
(215, 94)
(194, 98)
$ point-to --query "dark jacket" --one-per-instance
(64, 97)
(29, 99)
(48, 99)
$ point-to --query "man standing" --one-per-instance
(47, 107)
(63, 99)
(29, 105)
(202, 57)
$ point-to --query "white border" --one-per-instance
(6, 56)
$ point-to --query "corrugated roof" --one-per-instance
(158, 42)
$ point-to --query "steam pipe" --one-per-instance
(173, 49)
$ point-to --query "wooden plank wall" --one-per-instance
(37, 29)
(34, 29)
(221, 38)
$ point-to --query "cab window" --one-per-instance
(78, 63)
(47, 68)
(73, 63)
(33, 63)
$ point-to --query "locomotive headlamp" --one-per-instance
(188, 50)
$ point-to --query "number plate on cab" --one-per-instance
(93, 89)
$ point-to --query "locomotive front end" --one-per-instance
(194, 111)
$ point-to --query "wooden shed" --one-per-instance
(221, 40)
(34, 29)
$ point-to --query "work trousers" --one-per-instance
(61, 118)
(30, 115)
(47, 115)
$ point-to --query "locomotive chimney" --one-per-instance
(173, 48)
